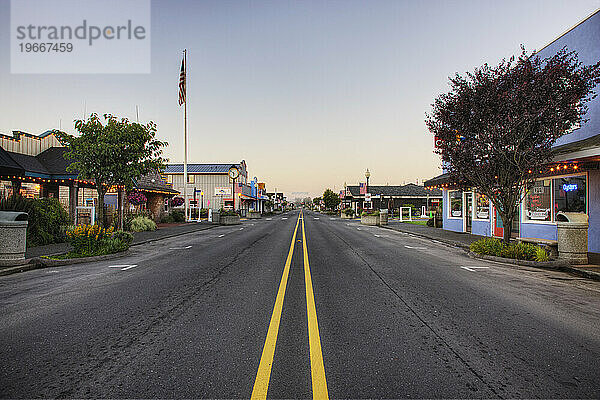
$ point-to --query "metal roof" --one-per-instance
(200, 168)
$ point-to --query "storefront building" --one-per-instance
(571, 183)
(209, 185)
(390, 197)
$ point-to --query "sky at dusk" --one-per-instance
(309, 93)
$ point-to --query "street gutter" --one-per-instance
(30, 264)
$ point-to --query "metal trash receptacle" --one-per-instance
(572, 235)
(13, 237)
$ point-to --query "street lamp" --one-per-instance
(367, 175)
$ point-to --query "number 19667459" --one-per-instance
(46, 47)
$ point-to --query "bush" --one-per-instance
(141, 224)
(87, 239)
(228, 213)
(365, 213)
(519, 251)
(47, 218)
(541, 255)
(124, 237)
(93, 240)
(175, 216)
(349, 212)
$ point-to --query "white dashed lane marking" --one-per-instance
(416, 248)
(473, 269)
(180, 248)
(124, 267)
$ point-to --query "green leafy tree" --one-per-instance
(496, 127)
(316, 201)
(115, 152)
(331, 199)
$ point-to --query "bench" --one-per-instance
(551, 246)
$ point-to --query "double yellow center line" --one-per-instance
(317, 367)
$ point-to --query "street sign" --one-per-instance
(222, 191)
(368, 197)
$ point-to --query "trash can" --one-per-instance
(383, 217)
(13, 237)
(573, 237)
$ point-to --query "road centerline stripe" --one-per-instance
(261, 383)
(317, 367)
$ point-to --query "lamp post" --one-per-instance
(367, 175)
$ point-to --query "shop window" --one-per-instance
(570, 194)
(482, 210)
(456, 203)
(191, 178)
(538, 202)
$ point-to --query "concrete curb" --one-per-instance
(558, 265)
(39, 262)
(442, 240)
(174, 235)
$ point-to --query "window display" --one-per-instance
(570, 194)
(456, 205)
(538, 202)
(483, 207)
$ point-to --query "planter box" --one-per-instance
(372, 220)
(229, 220)
(253, 215)
(344, 216)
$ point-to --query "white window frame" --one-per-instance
(475, 193)
(462, 216)
(552, 210)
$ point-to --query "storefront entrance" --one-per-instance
(469, 212)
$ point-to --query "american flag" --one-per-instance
(363, 188)
(182, 83)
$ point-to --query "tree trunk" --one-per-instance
(121, 203)
(507, 227)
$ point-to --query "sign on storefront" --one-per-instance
(222, 191)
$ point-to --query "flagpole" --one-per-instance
(185, 173)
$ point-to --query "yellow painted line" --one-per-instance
(261, 383)
(317, 367)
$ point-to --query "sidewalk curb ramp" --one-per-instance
(40, 262)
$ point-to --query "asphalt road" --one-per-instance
(364, 312)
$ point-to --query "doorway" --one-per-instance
(469, 212)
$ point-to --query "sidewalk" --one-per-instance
(164, 231)
(463, 240)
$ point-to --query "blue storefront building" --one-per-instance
(572, 182)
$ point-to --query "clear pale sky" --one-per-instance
(309, 93)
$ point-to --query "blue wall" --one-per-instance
(585, 39)
(455, 225)
(481, 228)
(538, 231)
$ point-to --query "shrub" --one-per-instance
(366, 212)
(541, 255)
(349, 212)
(93, 240)
(124, 237)
(47, 218)
(519, 251)
(87, 239)
(141, 224)
(228, 213)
